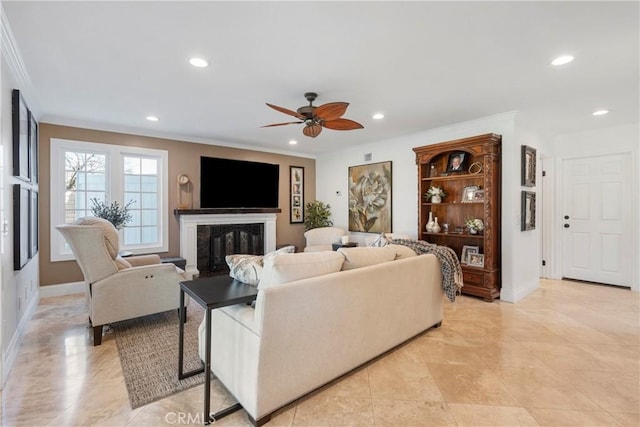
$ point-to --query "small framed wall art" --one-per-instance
(528, 167)
(296, 192)
(20, 130)
(528, 202)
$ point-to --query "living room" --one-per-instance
(326, 166)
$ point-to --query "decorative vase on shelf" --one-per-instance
(473, 231)
(430, 223)
(436, 226)
(436, 199)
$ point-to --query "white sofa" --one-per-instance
(317, 316)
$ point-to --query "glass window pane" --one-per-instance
(136, 200)
(96, 163)
(149, 217)
(135, 218)
(73, 161)
(132, 165)
(96, 181)
(131, 183)
(131, 235)
(81, 181)
(149, 234)
(150, 183)
(149, 200)
(150, 166)
(100, 195)
(70, 182)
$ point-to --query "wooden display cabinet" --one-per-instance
(481, 168)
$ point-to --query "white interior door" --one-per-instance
(596, 242)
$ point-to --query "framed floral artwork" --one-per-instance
(296, 194)
(370, 198)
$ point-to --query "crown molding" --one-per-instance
(11, 53)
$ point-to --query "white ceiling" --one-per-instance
(107, 65)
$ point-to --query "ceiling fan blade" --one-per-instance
(331, 111)
(312, 130)
(281, 124)
(286, 111)
(342, 124)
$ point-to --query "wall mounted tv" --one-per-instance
(226, 183)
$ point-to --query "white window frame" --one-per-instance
(114, 191)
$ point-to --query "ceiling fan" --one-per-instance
(315, 118)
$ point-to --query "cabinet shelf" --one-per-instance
(452, 203)
(455, 235)
(454, 177)
(434, 159)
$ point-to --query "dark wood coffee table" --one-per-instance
(210, 293)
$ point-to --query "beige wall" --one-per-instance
(184, 157)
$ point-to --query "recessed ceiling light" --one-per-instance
(152, 118)
(600, 112)
(378, 116)
(198, 62)
(561, 60)
(293, 142)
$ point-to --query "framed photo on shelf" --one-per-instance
(457, 162)
(467, 251)
(478, 196)
(20, 130)
(528, 167)
(296, 191)
(370, 198)
(467, 193)
(476, 260)
(528, 211)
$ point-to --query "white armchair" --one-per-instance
(117, 288)
(321, 239)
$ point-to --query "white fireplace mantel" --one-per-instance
(189, 232)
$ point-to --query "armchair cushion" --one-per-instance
(109, 232)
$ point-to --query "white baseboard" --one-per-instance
(9, 356)
(62, 289)
(516, 295)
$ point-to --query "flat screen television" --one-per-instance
(227, 183)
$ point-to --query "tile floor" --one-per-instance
(567, 355)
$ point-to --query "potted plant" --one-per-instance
(474, 225)
(435, 194)
(316, 214)
(114, 212)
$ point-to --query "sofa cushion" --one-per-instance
(248, 268)
(402, 251)
(289, 267)
(363, 256)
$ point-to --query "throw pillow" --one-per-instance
(248, 268)
(380, 241)
(245, 268)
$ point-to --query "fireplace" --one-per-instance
(236, 224)
(215, 242)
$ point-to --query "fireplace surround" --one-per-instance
(190, 219)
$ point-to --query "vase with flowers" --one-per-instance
(474, 225)
(435, 194)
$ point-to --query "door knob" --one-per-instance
(566, 226)
(566, 217)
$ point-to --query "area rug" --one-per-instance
(148, 349)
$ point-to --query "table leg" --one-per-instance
(207, 368)
(181, 374)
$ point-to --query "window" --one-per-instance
(83, 171)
